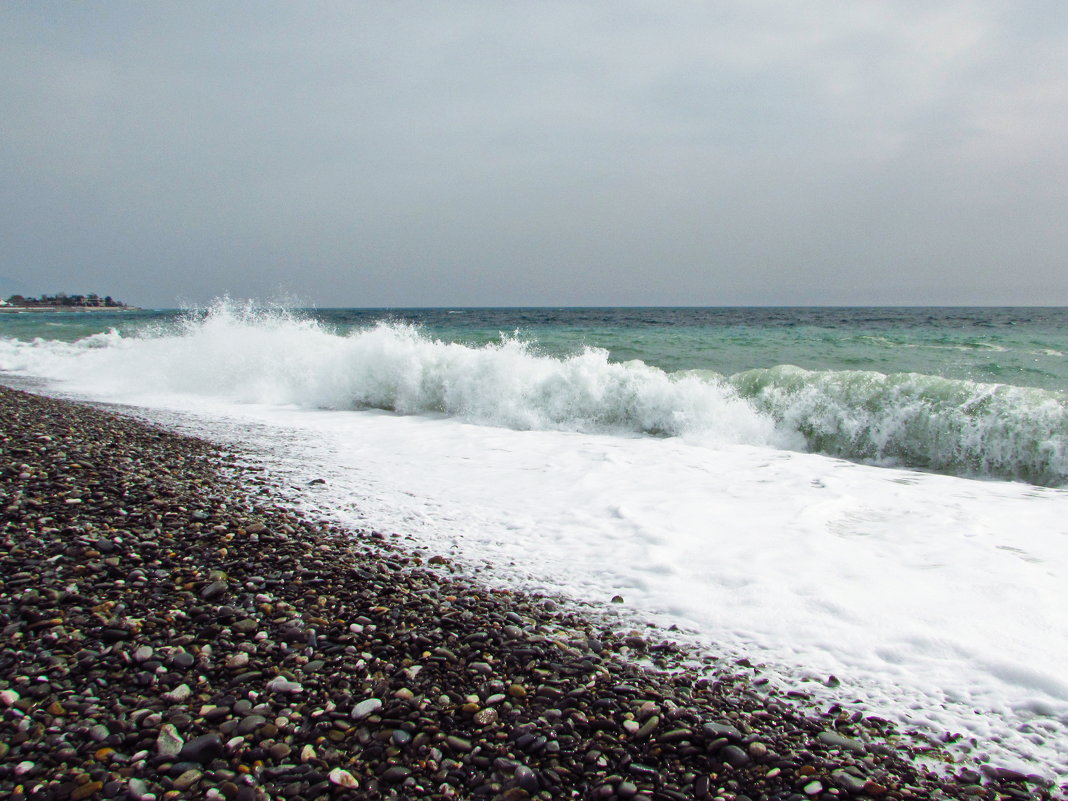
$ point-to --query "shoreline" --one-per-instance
(169, 629)
(65, 309)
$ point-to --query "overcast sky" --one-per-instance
(536, 153)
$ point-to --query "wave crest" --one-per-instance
(921, 421)
(247, 354)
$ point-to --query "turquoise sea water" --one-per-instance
(1020, 346)
(969, 391)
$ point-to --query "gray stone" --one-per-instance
(250, 723)
(213, 590)
(280, 684)
(366, 707)
(848, 782)
(169, 742)
(395, 774)
(178, 694)
(202, 749)
(734, 756)
(835, 740)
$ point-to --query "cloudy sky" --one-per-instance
(536, 153)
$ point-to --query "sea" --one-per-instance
(863, 507)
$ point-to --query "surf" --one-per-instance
(248, 354)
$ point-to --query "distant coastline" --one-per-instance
(8, 309)
(63, 303)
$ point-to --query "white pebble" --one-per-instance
(365, 708)
(342, 778)
(280, 684)
(169, 742)
(178, 694)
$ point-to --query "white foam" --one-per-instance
(938, 600)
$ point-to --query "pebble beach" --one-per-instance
(171, 629)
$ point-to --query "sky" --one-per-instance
(551, 153)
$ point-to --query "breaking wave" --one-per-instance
(920, 421)
(246, 355)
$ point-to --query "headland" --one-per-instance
(63, 303)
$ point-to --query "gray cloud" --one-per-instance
(551, 153)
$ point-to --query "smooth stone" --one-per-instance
(280, 684)
(734, 756)
(180, 693)
(457, 743)
(202, 749)
(836, 740)
(527, 779)
(813, 788)
(213, 590)
(848, 782)
(342, 778)
(395, 774)
(366, 707)
(250, 723)
(717, 730)
(137, 789)
(187, 779)
(648, 727)
(143, 653)
(169, 742)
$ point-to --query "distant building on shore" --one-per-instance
(63, 301)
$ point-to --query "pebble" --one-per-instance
(179, 694)
(214, 590)
(187, 779)
(342, 778)
(836, 740)
(202, 749)
(395, 774)
(366, 708)
(458, 743)
(280, 684)
(86, 790)
(848, 782)
(265, 654)
(169, 743)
